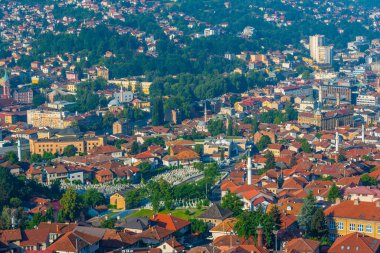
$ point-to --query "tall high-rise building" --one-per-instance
(319, 52)
(324, 55)
(315, 42)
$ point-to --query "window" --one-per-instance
(352, 227)
(332, 224)
(378, 229)
(368, 229)
(340, 225)
(360, 228)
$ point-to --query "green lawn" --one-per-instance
(179, 213)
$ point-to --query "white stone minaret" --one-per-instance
(336, 141)
(249, 167)
(363, 136)
(121, 96)
(19, 149)
(205, 111)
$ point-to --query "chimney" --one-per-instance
(260, 236)
(356, 202)
(377, 203)
(337, 201)
(57, 227)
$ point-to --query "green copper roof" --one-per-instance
(6, 78)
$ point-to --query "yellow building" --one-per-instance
(35, 79)
(71, 87)
(137, 103)
(48, 118)
(118, 200)
(275, 149)
(103, 72)
(122, 127)
(145, 87)
(39, 146)
(351, 216)
(327, 120)
(239, 107)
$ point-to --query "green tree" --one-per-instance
(157, 111)
(216, 127)
(36, 220)
(108, 120)
(233, 203)
(133, 198)
(92, 198)
(135, 149)
(47, 156)
(263, 142)
(275, 214)
(15, 202)
(367, 180)
(7, 187)
(342, 158)
(35, 158)
(70, 150)
(255, 125)
(198, 226)
(199, 149)
(38, 99)
(229, 128)
(305, 217)
(270, 162)
(319, 229)
(108, 223)
(71, 204)
(305, 145)
(334, 193)
(248, 221)
(11, 157)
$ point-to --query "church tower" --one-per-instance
(6, 85)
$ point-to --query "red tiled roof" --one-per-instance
(355, 242)
(169, 222)
(361, 211)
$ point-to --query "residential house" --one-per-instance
(53, 173)
(135, 224)
(350, 216)
(214, 215)
(355, 242)
(171, 223)
(302, 245)
(155, 235)
(171, 246)
(226, 227)
(118, 199)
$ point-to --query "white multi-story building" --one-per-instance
(324, 55)
(367, 100)
(315, 42)
(319, 52)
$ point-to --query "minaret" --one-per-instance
(363, 137)
(249, 167)
(121, 96)
(19, 149)
(336, 141)
(320, 96)
(205, 111)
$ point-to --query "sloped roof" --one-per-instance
(302, 245)
(355, 242)
(360, 211)
(170, 222)
(216, 212)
